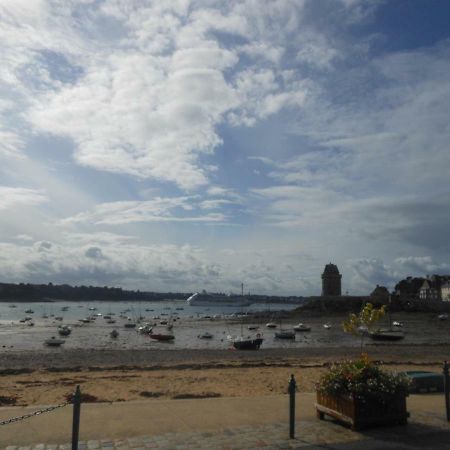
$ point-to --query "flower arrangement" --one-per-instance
(362, 379)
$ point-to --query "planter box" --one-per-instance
(359, 414)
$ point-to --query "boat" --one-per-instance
(327, 326)
(145, 329)
(64, 330)
(29, 311)
(386, 335)
(285, 334)
(209, 299)
(30, 324)
(253, 327)
(114, 334)
(301, 327)
(397, 324)
(271, 325)
(53, 342)
(443, 316)
(130, 325)
(247, 343)
(162, 336)
(110, 321)
(205, 335)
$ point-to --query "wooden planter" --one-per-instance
(359, 414)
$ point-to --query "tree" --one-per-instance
(361, 324)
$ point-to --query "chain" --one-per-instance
(35, 413)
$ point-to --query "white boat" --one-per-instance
(64, 330)
(395, 323)
(301, 327)
(206, 299)
(443, 316)
(271, 325)
(327, 326)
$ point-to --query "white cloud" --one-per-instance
(174, 209)
(12, 197)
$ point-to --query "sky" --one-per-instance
(186, 145)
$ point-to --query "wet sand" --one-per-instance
(35, 374)
(113, 376)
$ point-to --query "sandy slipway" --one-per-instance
(69, 359)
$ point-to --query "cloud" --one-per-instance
(174, 209)
(12, 197)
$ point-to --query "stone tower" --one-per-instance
(331, 280)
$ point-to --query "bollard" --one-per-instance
(76, 418)
(291, 389)
(446, 390)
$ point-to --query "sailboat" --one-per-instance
(284, 334)
(389, 334)
(246, 342)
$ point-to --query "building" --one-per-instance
(380, 294)
(331, 281)
(445, 292)
(433, 287)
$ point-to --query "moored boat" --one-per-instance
(386, 335)
(247, 343)
(53, 342)
(162, 336)
(285, 334)
(301, 327)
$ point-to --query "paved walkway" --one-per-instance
(427, 427)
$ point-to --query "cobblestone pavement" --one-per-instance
(427, 430)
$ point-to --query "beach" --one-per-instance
(135, 367)
(117, 375)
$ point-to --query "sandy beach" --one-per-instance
(31, 378)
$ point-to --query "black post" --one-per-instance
(446, 390)
(76, 418)
(291, 389)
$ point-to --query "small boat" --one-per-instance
(397, 324)
(271, 325)
(327, 326)
(247, 343)
(163, 322)
(65, 308)
(29, 311)
(162, 336)
(86, 320)
(60, 318)
(107, 317)
(253, 327)
(386, 335)
(443, 316)
(30, 324)
(64, 330)
(205, 335)
(130, 325)
(53, 342)
(145, 329)
(285, 334)
(179, 308)
(301, 327)
(110, 321)
(92, 308)
(13, 306)
(114, 334)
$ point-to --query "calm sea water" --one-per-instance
(189, 323)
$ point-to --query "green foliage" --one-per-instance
(367, 318)
(364, 380)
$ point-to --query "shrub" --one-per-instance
(362, 379)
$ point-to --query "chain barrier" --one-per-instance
(35, 413)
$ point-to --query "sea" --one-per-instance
(189, 322)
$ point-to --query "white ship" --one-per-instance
(206, 299)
